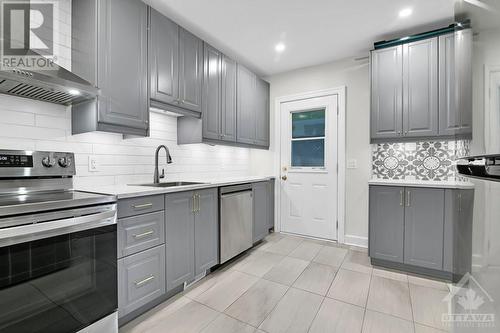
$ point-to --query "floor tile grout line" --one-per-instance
(316, 314)
(274, 307)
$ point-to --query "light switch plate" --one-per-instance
(93, 165)
(352, 164)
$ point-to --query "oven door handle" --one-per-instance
(32, 232)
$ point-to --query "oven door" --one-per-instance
(58, 275)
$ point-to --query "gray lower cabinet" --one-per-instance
(176, 66)
(179, 213)
(111, 53)
(206, 230)
(263, 212)
(424, 227)
(420, 88)
(386, 93)
(386, 225)
(191, 235)
(139, 233)
(141, 279)
(424, 230)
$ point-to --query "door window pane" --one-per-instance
(308, 153)
(308, 124)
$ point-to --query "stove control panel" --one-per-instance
(18, 163)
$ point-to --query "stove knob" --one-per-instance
(64, 162)
(48, 162)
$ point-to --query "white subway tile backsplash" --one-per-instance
(31, 125)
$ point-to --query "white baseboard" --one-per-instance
(356, 240)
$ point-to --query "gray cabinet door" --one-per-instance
(206, 230)
(463, 68)
(261, 206)
(212, 76)
(228, 110)
(424, 225)
(190, 70)
(386, 225)
(179, 238)
(246, 105)
(386, 92)
(122, 72)
(141, 279)
(449, 118)
(163, 58)
(420, 88)
(262, 113)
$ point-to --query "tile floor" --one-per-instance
(291, 284)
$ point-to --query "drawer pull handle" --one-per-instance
(145, 281)
(144, 234)
(143, 206)
(401, 197)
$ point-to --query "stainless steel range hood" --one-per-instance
(57, 85)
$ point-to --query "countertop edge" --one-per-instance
(450, 185)
(132, 191)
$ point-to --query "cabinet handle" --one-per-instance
(144, 234)
(401, 200)
(139, 284)
(198, 202)
(408, 200)
(460, 202)
(142, 206)
(194, 204)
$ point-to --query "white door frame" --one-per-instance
(340, 92)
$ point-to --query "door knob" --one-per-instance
(284, 177)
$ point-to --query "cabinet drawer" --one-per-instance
(141, 232)
(141, 205)
(141, 279)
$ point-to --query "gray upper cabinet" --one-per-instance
(262, 113)
(386, 225)
(463, 68)
(121, 38)
(212, 83)
(176, 66)
(386, 92)
(246, 85)
(190, 70)
(163, 58)
(206, 230)
(423, 89)
(228, 99)
(179, 208)
(424, 227)
(420, 88)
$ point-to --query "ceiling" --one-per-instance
(314, 31)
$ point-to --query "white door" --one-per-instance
(309, 167)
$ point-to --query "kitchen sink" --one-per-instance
(169, 184)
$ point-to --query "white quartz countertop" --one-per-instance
(423, 183)
(122, 191)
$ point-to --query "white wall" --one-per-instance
(353, 75)
(31, 125)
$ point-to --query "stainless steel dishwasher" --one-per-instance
(236, 220)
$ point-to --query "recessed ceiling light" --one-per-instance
(405, 12)
(280, 47)
(405, 38)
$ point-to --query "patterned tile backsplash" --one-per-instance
(423, 160)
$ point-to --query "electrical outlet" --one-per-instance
(93, 166)
(352, 164)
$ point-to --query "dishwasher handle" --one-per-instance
(235, 189)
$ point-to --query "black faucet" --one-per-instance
(157, 175)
